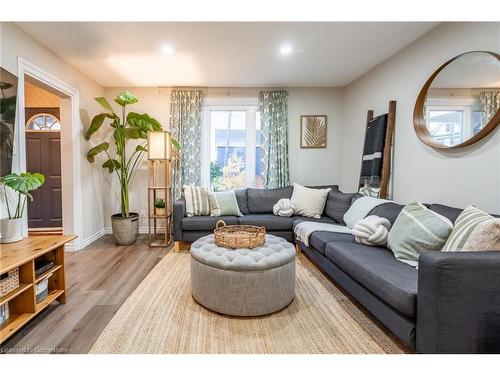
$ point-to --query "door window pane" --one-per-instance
(227, 150)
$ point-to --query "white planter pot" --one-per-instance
(11, 230)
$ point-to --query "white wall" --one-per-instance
(460, 178)
(16, 43)
(307, 166)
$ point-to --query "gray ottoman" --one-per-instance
(243, 282)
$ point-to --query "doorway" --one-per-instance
(43, 155)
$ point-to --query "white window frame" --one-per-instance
(248, 105)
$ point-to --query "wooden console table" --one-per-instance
(22, 301)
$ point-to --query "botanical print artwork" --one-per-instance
(313, 131)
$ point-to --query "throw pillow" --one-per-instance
(474, 230)
(284, 207)
(417, 229)
(338, 203)
(224, 203)
(197, 203)
(309, 202)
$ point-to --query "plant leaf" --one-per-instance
(175, 143)
(111, 164)
(23, 183)
(105, 104)
(95, 125)
(141, 148)
(132, 133)
(97, 150)
(125, 98)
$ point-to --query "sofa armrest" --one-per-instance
(458, 302)
(179, 214)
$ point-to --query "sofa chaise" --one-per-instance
(449, 304)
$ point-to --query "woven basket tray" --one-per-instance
(239, 236)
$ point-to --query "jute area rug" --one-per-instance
(160, 316)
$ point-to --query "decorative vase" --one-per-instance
(125, 229)
(160, 211)
(11, 230)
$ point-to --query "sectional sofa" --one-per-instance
(449, 304)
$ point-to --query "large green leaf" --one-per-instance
(95, 124)
(126, 98)
(105, 104)
(143, 122)
(23, 183)
(97, 150)
(175, 143)
(133, 133)
(141, 148)
(111, 164)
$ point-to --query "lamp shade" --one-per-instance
(159, 145)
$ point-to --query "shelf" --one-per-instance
(16, 321)
(13, 324)
(160, 216)
(53, 294)
(159, 187)
(53, 269)
(22, 288)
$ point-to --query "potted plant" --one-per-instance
(125, 126)
(159, 204)
(22, 184)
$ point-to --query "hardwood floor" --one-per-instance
(99, 280)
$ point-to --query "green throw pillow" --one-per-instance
(416, 230)
(224, 203)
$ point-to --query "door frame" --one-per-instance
(69, 171)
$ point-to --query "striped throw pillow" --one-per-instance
(197, 203)
(474, 230)
(416, 230)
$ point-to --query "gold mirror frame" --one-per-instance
(419, 120)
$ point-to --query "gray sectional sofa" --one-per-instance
(450, 304)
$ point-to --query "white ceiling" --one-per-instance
(226, 54)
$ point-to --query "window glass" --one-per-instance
(446, 127)
(43, 122)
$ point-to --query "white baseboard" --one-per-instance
(85, 242)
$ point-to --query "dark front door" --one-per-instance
(44, 156)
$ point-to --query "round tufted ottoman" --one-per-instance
(243, 282)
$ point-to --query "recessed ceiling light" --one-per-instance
(286, 50)
(167, 49)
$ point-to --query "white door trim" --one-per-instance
(24, 67)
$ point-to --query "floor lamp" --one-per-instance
(160, 188)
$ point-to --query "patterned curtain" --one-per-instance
(185, 125)
(273, 107)
(490, 102)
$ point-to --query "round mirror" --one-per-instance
(459, 104)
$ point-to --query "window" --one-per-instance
(43, 122)
(232, 146)
(453, 124)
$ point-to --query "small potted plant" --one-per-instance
(159, 207)
(22, 184)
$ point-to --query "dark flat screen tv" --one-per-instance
(8, 101)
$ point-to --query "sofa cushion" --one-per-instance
(322, 219)
(206, 222)
(377, 270)
(338, 203)
(269, 221)
(261, 201)
(447, 211)
(389, 211)
(319, 240)
(241, 198)
(309, 202)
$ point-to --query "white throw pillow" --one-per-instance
(309, 202)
